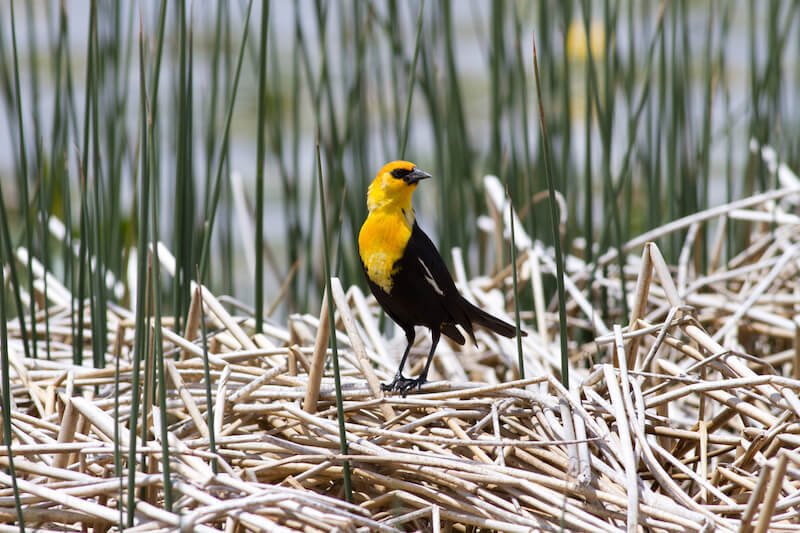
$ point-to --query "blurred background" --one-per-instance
(650, 110)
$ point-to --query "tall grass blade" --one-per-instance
(34, 86)
(212, 439)
(5, 237)
(332, 321)
(562, 301)
(141, 279)
(261, 114)
(528, 185)
(97, 273)
(497, 34)
(84, 261)
(210, 214)
(22, 181)
(158, 345)
(162, 21)
(520, 358)
(118, 439)
(44, 202)
(182, 230)
(412, 76)
(6, 407)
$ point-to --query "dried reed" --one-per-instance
(686, 419)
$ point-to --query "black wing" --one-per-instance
(432, 267)
(436, 274)
(424, 273)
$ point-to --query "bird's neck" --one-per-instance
(395, 209)
(387, 200)
(398, 206)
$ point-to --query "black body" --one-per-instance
(424, 294)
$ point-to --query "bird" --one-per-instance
(408, 276)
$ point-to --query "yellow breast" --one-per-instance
(381, 242)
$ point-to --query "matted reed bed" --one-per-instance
(686, 420)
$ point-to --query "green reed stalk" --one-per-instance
(212, 444)
(118, 442)
(332, 321)
(97, 274)
(495, 97)
(35, 92)
(44, 201)
(211, 213)
(141, 280)
(412, 75)
(261, 112)
(158, 344)
(211, 124)
(182, 235)
(517, 323)
(6, 404)
(23, 189)
(562, 301)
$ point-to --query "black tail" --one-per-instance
(482, 318)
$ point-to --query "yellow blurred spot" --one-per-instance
(576, 40)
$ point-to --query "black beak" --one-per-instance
(415, 175)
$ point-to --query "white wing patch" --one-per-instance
(429, 278)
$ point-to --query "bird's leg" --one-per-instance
(400, 382)
(435, 333)
(410, 384)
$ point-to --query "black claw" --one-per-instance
(402, 385)
(389, 387)
(410, 386)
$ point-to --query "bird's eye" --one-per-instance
(400, 173)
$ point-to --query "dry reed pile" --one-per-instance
(690, 421)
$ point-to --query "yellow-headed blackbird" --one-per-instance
(406, 273)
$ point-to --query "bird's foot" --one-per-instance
(403, 385)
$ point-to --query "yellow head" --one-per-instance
(393, 186)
